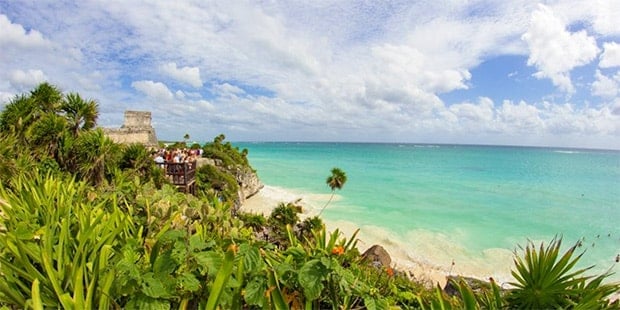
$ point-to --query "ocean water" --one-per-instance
(460, 209)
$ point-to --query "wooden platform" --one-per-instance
(182, 175)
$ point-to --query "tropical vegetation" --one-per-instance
(86, 223)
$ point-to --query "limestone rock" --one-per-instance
(248, 181)
(377, 256)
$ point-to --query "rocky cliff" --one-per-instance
(246, 178)
(249, 184)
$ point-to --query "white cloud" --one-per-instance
(189, 75)
(481, 112)
(325, 71)
(14, 35)
(606, 87)
(5, 98)
(226, 89)
(154, 90)
(24, 80)
(554, 51)
(520, 117)
(610, 56)
(605, 16)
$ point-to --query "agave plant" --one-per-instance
(546, 280)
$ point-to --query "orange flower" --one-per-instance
(389, 271)
(339, 250)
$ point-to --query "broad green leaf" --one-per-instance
(197, 244)
(164, 264)
(255, 291)
(188, 282)
(311, 277)
(153, 286)
(209, 261)
(251, 257)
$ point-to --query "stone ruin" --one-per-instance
(136, 129)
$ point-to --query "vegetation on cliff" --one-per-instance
(86, 223)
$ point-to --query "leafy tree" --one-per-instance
(81, 114)
(219, 139)
(47, 98)
(137, 158)
(96, 155)
(335, 181)
(17, 116)
(46, 133)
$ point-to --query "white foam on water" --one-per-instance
(427, 255)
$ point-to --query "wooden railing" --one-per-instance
(182, 175)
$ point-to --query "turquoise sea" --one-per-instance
(463, 209)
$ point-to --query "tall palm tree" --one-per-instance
(81, 114)
(335, 181)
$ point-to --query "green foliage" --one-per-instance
(135, 242)
(211, 180)
(254, 221)
(57, 245)
(282, 217)
(137, 159)
(81, 114)
(335, 181)
(227, 155)
(96, 156)
(544, 279)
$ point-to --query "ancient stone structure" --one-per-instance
(136, 129)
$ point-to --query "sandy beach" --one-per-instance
(422, 263)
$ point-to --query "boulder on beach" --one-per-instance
(377, 256)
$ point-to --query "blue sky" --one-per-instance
(478, 72)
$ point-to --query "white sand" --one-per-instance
(494, 263)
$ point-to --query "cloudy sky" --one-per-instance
(518, 72)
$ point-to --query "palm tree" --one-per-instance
(46, 133)
(81, 114)
(47, 97)
(96, 155)
(17, 115)
(335, 181)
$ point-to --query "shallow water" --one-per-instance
(463, 209)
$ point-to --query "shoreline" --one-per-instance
(429, 269)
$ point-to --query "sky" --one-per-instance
(537, 73)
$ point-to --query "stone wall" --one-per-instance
(136, 129)
(137, 119)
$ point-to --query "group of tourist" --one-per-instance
(177, 155)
